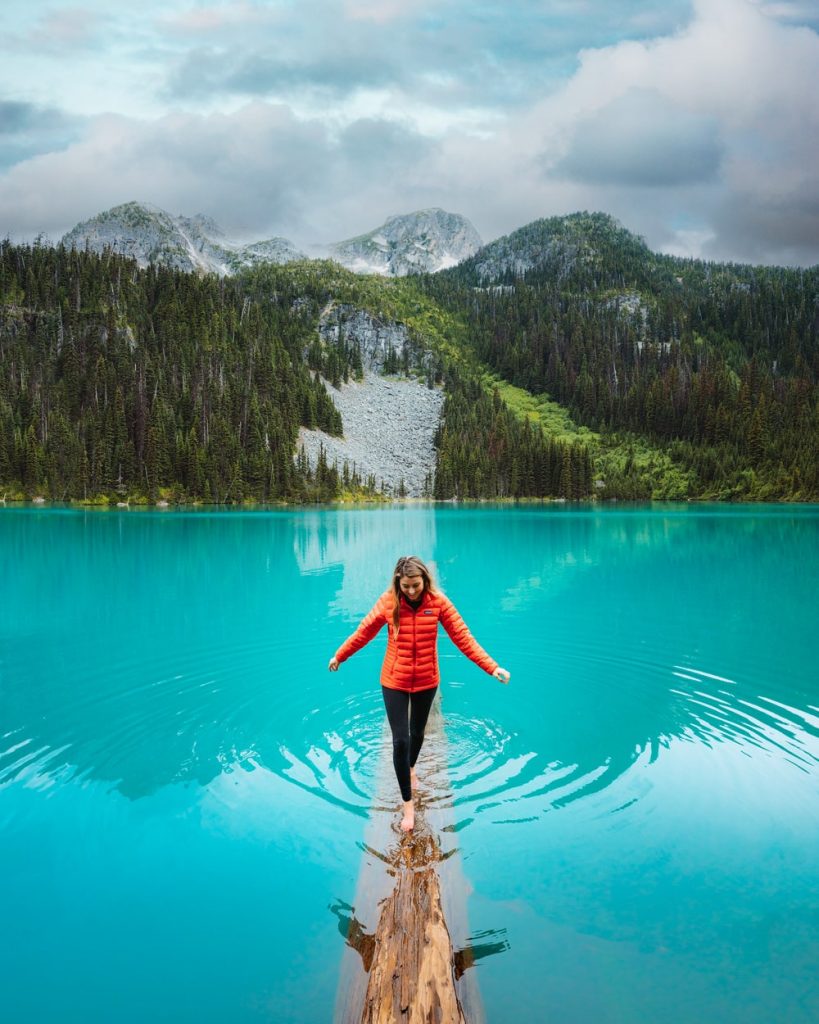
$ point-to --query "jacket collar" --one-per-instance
(425, 600)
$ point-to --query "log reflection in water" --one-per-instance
(412, 972)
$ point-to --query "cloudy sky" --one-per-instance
(695, 122)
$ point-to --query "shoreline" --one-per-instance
(384, 502)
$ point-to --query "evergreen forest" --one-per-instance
(715, 366)
(575, 363)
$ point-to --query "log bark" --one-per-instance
(400, 964)
(412, 978)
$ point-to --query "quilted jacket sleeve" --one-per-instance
(368, 628)
(466, 643)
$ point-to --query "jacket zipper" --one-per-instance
(414, 646)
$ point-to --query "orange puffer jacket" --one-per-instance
(411, 661)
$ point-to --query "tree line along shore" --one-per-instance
(679, 380)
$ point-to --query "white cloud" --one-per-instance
(255, 168)
(718, 116)
(803, 12)
(258, 171)
(750, 77)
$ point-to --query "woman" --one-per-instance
(412, 609)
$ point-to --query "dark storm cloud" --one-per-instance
(643, 139)
(16, 117)
(779, 229)
(27, 129)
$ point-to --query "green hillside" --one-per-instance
(711, 366)
(124, 384)
(576, 364)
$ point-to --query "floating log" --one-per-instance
(412, 977)
(410, 908)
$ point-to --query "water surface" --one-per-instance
(184, 788)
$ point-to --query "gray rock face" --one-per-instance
(150, 235)
(272, 250)
(389, 422)
(389, 431)
(425, 241)
(376, 338)
(631, 307)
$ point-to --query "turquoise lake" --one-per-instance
(185, 790)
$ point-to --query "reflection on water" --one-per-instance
(145, 649)
(489, 773)
(620, 624)
(662, 673)
(363, 546)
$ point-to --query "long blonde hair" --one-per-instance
(409, 565)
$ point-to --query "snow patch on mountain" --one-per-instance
(424, 241)
(428, 240)
(151, 235)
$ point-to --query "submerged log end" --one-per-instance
(412, 977)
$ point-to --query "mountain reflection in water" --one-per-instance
(180, 646)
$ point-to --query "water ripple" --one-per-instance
(610, 725)
(142, 721)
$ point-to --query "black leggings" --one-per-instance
(407, 730)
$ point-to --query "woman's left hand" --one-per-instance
(502, 675)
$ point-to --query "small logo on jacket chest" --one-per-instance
(428, 611)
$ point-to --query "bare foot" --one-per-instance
(408, 821)
(413, 779)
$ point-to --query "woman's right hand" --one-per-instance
(333, 666)
(502, 675)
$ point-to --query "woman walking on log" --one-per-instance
(412, 609)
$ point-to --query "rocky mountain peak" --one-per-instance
(149, 234)
(424, 241)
